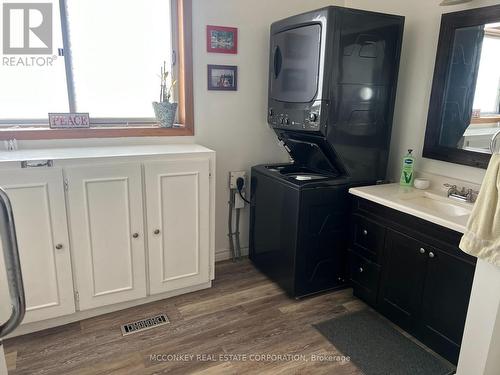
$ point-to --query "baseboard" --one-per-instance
(225, 254)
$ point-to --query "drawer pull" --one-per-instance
(361, 269)
(59, 246)
(431, 254)
(36, 163)
(135, 235)
(365, 232)
(156, 231)
(422, 250)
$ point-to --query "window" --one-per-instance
(487, 98)
(116, 61)
(31, 89)
(106, 58)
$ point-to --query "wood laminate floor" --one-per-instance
(243, 314)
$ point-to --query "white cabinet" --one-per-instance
(37, 197)
(106, 223)
(115, 226)
(177, 200)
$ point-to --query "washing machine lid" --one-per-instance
(312, 152)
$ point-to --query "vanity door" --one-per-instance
(445, 301)
(403, 271)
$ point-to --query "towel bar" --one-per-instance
(495, 144)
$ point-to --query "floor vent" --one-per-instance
(144, 324)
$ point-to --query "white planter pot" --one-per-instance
(165, 113)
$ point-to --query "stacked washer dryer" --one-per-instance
(332, 87)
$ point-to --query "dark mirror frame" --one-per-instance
(449, 23)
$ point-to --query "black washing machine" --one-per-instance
(299, 226)
(332, 86)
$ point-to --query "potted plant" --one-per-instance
(165, 110)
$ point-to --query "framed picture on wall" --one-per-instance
(221, 39)
(222, 77)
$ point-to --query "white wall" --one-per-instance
(480, 349)
(234, 123)
(420, 40)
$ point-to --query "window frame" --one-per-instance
(27, 129)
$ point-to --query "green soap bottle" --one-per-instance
(407, 172)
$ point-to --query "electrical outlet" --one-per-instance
(233, 176)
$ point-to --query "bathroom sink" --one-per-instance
(431, 205)
(440, 205)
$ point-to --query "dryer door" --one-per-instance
(295, 59)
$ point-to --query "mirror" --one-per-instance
(464, 114)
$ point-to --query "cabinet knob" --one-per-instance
(431, 254)
(135, 235)
(156, 231)
(361, 269)
(422, 250)
(365, 232)
(59, 246)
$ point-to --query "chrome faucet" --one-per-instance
(463, 194)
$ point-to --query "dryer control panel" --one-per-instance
(298, 119)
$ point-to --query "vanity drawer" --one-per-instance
(365, 277)
(368, 237)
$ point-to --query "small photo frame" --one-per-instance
(222, 39)
(222, 77)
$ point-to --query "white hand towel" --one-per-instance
(482, 236)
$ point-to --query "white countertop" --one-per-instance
(99, 152)
(413, 202)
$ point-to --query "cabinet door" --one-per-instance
(37, 197)
(177, 196)
(403, 270)
(106, 218)
(445, 301)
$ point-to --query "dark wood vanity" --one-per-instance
(412, 272)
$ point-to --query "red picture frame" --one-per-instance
(222, 39)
